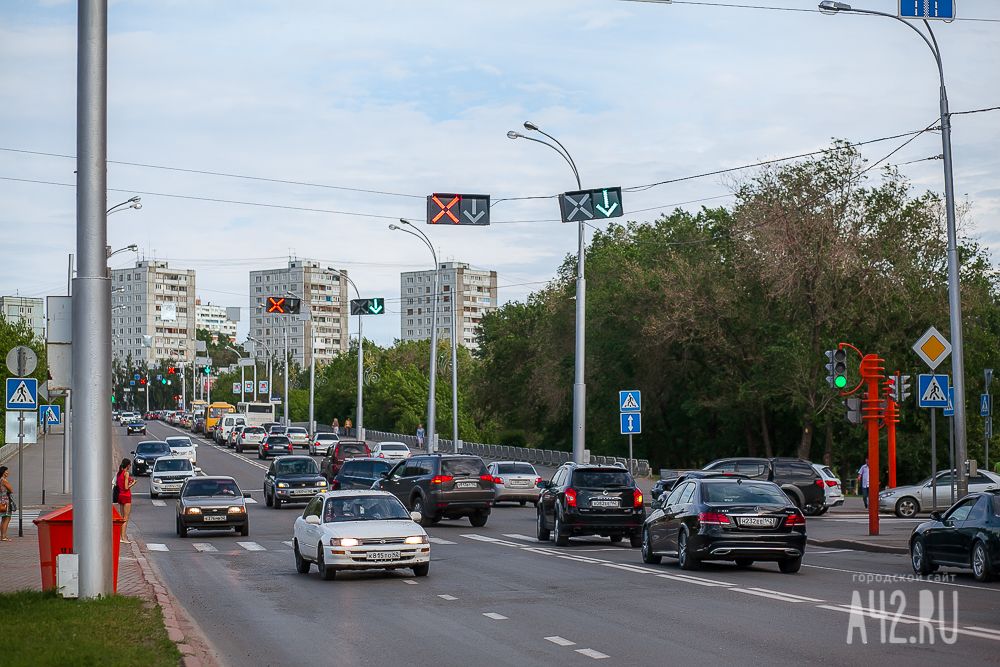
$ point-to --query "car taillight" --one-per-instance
(537, 480)
(795, 520)
(441, 479)
(570, 497)
(818, 482)
(713, 518)
(636, 498)
(831, 482)
(487, 478)
(381, 455)
(498, 480)
(335, 484)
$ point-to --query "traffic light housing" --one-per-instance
(283, 305)
(372, 306)
(207, 370)
(836, 368)
(903, 388)
(142, 381)
(172, 370)
(853, 406)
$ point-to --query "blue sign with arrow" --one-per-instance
(631, 423)
(985, 405)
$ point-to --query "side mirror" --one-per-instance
(132, 453)
(246, 494)
(948, 523)
(542, 484)
(416, 517)
(936, 516)
(197, 469)
(313, 520)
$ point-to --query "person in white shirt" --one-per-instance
(863, 481)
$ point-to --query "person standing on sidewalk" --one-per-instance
(420, 436)
(335, 425)
(124, 484)
(347, 427)
(863, 481)
(6, 494)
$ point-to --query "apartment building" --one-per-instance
(153, 315)
(475, 293)
(213, 318)
(28, 309)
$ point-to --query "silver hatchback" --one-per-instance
(515, 481)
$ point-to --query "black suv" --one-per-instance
(443, 486)
(292, 479)
(590, 500)
(796, 477)
(145, 455)
(360, 473)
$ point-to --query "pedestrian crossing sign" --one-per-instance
(629, 400)
(932, 391)
(22, 394)
(49, 414)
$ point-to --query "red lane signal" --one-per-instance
(445, 209)
(172, 370)
(276, 304)
(142, 381)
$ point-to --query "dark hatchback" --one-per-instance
(589, 500)
(715, 518)
(292, 479)
(274, 445)
(341, 451)
(966, 536)
(443, 486)
(360, 473)
(145, 455)
(212, 503)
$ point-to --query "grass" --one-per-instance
(40, 629)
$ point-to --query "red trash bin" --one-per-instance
(55, 536)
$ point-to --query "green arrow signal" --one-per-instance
(608, 208)
(375, 306)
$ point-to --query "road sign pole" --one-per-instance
(934, 459)
(630, 452)
(20, 474)
(45, 424)
(359, 402)
(951, 456)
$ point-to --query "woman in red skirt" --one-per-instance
(124, 484)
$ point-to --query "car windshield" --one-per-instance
(252, 429)
(363, 508)
(515, 469)
(297, 431)
(277, 440)
(296, 467)
(277, 429)
(326, 436)
(738, 493)
(212, 487)
(601, 478)
(172, 465)
(152, 448)
(393, 447)
(463, 467)
(179, 442)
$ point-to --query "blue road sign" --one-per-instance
(927, 9)
(629, 400)
(22, 394)
(49, 414)
(136, 376)
(932, 391)
(950, 410)
(631, 423)
(131, 383)
(985, 405)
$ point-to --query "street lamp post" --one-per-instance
(954, 287)
(242, 373)
(359, 421)
(579, 383)
(431, 431)
(267, 348)
(312, 365)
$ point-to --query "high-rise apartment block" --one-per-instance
(153, 313)
(214, 318)
(476, 295)
(29, 309)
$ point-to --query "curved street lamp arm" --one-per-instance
(425, 240)
(931, 43)
(564, 156)
(569, 158)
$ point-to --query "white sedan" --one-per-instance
(391, 451)
(359, 530)
(181, 445)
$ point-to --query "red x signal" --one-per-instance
(276, 304)
(445, 208)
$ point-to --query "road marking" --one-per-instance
(492, 540)
(591, 653)
(823, 553)
(993, 631)
(438, 540)
(515, 536)
(204, 546)
(495, 616)
(288, 543)
(629, 568)
(150, 546)
(250, 501)
(695, 580)
(159, 503)
(410, 581)
(560, 641)
(901, 579)
(449, 598)
(775, 595)
(251, 546)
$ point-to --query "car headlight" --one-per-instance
(344, 542)
(282, 485)
(236, 510)
(416, 539)
(157, 480)
(886, 494)
(193, 510)
(321, 482)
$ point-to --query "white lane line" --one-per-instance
(449, 598)
(629, 568)
(250, 501)
(901, 579)
(495, 616)
(204, 546)
(516, 536)
(288, 543)
(823, 553)
(491, 540)
(591, 653)
(438, 540)
(693, 580)
(992, 631)
(560, 641)
(773, 595)
(251, 546)
(150, 546)
(410, 581)
(802, 598)
(159, 503)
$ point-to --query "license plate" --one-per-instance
(518, 482)
(757, 522)
(304, 492)
(383, 555)
(215, 518)
(602, 502)
(466, 485)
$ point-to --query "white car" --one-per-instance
(250, 437)
(831, 487)
(181, 445)
(322, 442)
(391, 451)
(515, 481)
(169, 474)
(907, 501)
(359, 530)
(298, 436)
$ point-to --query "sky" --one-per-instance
(363, 109)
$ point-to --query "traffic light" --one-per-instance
(112, 399)
(163, 380)
(281, 305)
(373, 306)
(453, 209)
(589, 204)
(172, 370)
(142, 381)
(836, 368)
(903, 388)
(853, 406)
(207, 370)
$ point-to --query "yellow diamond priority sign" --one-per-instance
(932, 347)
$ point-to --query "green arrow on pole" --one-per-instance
(608, 208)
(375, 306)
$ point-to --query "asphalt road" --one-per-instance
(495, 595)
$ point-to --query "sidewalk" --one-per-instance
(846, 527)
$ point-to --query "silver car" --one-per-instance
(515, 481)
(298, 436)
(906, 501)
(322, 442)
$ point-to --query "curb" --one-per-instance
(858, 545)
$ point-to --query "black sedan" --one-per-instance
(145, 455)
(135, 426)
(666, 484)
(965, 536)
(274, 445)
(715, 518)
(292, 479)
(212, 503)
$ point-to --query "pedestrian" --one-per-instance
(124, 484)
(347, 426)
(863, 481)
(6, 503)
(420, 436)
(335, 425)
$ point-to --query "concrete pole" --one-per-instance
(431, 392)
(68, 418)
(454, 364)
(92, 525)
(255, 397)
(359, 403)
(285, 397)
(312, 379)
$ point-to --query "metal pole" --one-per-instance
(454, 365)
(359, 403)
(630, 452)
(20, 473)
(285, 397)
(44, 424)
(255, 396)
(243, 382)
(934, 484)
(951, 457)
(312, 378)
(92, 525)
(183, 386)
(431, 395)
(67, 418)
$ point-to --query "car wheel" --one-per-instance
(301, 564)
(647, 550)
(479, 519)
(421, 570)
(906, 508)
(244, 529)
(523, 502)
(182, 530)
(615, 539)
(153, 495)
(267, 499)
(684, 559)
(826, 508)
(795, 499)
(744, 563)
(790, 565)
(417, 505)
(982, 569)
(325, 573)
(541, 532)
(277, 501)
(562, 537)
(811, 510)
(635, 540)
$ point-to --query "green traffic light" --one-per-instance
(840, 381)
